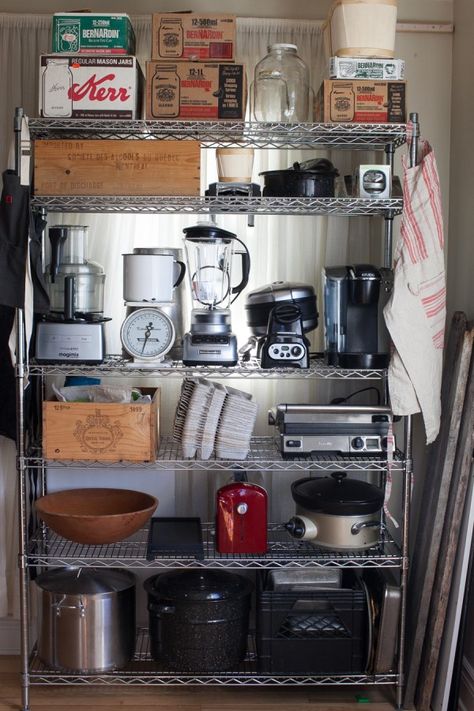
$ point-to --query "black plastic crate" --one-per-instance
(319, 632)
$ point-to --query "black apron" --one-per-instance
(17, 226)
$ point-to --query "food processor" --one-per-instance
(209, 251)
(74, 328)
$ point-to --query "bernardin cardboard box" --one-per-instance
(195, 90)
(360, 101)
(86, 86)
(365, 68)
(110, 167)
(102, 431)
(90, 32)
(191, 36)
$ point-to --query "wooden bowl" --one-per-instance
(96, 516)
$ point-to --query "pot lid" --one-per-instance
(206, 232)
(162, 251)
(85, 581)
(320, 166)
(280, 291)
(337, 495)
(309, 168)
(198, 585)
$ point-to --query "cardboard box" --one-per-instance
(111, 167)
(363, 68)
(90, 32)
(360, 101)
(82, 86)
(102, 431)
(192, 36)
(195, 90)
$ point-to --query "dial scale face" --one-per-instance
(147, 334)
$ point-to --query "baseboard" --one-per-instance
(9, 636)
(466, 692)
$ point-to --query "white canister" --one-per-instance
(362, 28)
(234, 165)
(150, 275)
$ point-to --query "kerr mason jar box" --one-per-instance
(84, 86)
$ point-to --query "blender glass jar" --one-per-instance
(281, 88)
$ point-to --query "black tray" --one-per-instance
(175, 536)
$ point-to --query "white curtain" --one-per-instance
(281, 248)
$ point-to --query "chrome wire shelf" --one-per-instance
(49, 550)
(116, 365)
(143, 671)
(264, 455)
(212, 134)
(140, 204)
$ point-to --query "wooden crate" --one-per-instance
(102, 431)
(111, 167)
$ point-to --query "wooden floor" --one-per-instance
(56, 698)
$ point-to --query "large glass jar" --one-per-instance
(281, 90)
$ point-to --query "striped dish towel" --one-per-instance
(416, 313)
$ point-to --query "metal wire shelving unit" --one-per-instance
(140, 204)
(264, 456)
(213, 134)
(116, 365)
(143, 671)
(45, 549)
(49, 550)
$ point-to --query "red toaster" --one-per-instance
(241, 518)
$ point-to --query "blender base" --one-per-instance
(212, 349)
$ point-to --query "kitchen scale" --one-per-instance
(147, 334)
(153, 327)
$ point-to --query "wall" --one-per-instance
(427, 10)
(461, 234)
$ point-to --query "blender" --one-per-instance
(73, 331)
(209, 254)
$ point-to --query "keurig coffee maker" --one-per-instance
(355, 332)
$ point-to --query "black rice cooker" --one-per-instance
(198, 619)
(313, 178)
(261, 301)
(336, 512)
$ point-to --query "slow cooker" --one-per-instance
(336, 512)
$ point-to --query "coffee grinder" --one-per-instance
(209, 251)
(74, 329)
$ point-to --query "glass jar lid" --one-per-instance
(283, 46)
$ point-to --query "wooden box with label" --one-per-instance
(102, 431)
(110, 167)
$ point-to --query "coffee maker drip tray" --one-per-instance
(360, 361)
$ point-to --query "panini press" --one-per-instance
(340, 429)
